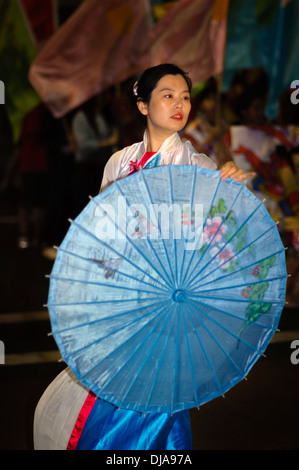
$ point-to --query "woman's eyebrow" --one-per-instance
(171, 89)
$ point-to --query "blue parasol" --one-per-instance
(167, 288)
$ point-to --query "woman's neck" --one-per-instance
(155, 140)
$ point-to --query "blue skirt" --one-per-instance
(109, 428)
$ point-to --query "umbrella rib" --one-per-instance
(204, 352)
(177, 342)
(112, 249)
(249, 283)
(130, 241)
(120, 346)
(227, 330)
(111, 269)
(234, 256)
(228, 314)
(174, 239)
(216, 341)
(160, 363)
(214, 235)
(184, 281)
(224, 218)
(191, 205)
(234, 272)
(239, 300)
(165, 251)
(146, 358)
(112, 333)
(99, 302)
(103, 284)
(190, 358)
(227, 242)
(98, 320)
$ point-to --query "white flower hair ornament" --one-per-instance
(135, 88)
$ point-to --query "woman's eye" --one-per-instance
(185, 98)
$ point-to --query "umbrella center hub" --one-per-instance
(179, 295)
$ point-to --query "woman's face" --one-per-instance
(169, 107)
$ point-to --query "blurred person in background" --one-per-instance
(96, 137)
(206, 130)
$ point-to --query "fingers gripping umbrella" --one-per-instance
(167, 288)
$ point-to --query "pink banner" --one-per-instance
(192, 35)
(99, 45)
(104, 42)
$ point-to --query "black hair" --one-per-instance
(150, 77)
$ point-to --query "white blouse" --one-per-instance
(172, 152)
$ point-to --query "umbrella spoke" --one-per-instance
(165, 251)
(204, 351)
(175, 275)
(235, 255)
(110, 248)
(105, 284)
(237, 271)
(227, 331)
(190, 359)
(187, 237)
(165, 318)
(248, 301)
(124, 326)
(107, 318)
(216, 341)
(187, 279)
(136, 248)
(226, 243)
(229, 314)
(175, 365)
(248, 283)
(98, 302)
(158, 370)
(204, 224)
(121, 273)
(163, 311)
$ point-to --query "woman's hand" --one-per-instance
(230, 170)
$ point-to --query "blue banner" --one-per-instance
(264, 33)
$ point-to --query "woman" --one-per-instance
(163, 98)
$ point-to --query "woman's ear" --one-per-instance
(142, 106)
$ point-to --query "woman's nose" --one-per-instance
(178, 103)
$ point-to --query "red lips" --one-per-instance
(177, 116)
